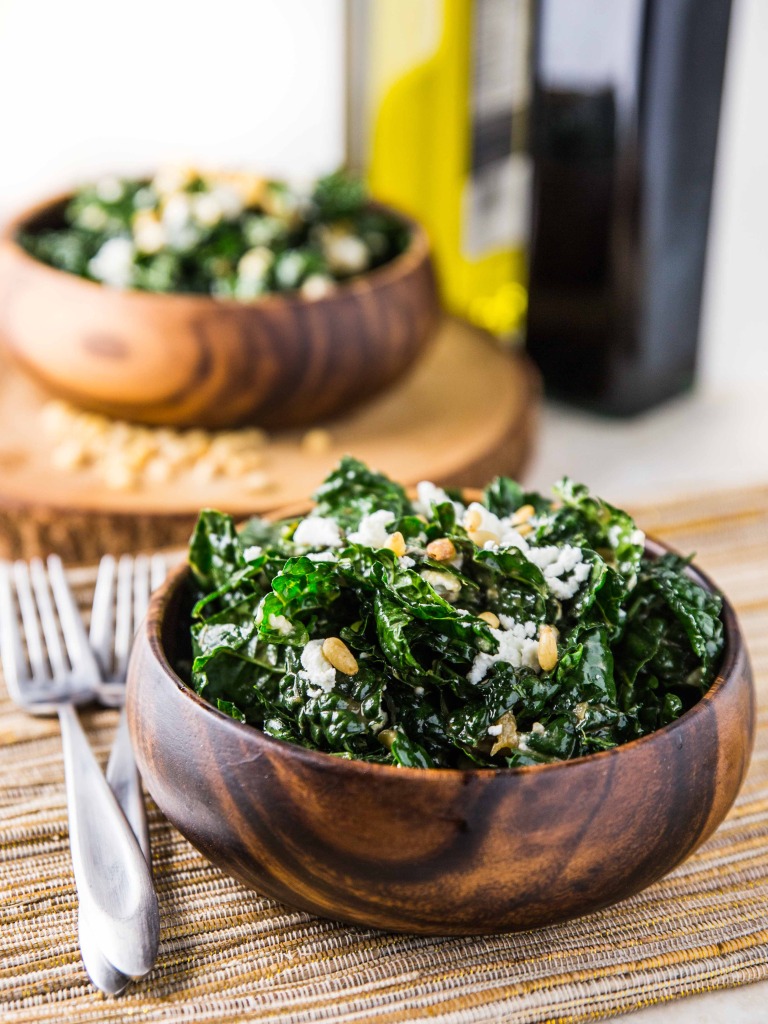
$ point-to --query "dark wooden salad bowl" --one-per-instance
(193, 360)
(441, 851)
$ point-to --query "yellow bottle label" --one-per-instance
(444, 108)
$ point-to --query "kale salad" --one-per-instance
(231, 235)
(436, 632)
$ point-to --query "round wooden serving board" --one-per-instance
(466, 413)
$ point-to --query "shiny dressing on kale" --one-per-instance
(437, 633)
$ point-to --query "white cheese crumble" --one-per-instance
(428, 496)
(321, 556)
(407, 562)
(615, 536)
(489, 522)
(372, 531)
(446, 585)
(518, 647)
(252, 553)
(317, 532)
(558, 562)
(316, 669)
(494, 730)
(113, 263)
(280, 624)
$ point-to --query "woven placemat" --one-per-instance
(228, 955)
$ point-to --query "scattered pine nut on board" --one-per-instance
(466, 413)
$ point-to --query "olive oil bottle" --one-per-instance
(626, 108)
(438, 94)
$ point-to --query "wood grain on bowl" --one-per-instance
(437, 424)
(433, 851)
(192, 360)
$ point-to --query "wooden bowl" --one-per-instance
(433, 851)
(192, 360)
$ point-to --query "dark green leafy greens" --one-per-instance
(449, 665)
(229, 235)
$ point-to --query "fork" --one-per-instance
(120, 602)
(113, 880)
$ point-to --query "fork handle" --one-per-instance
(125, 782)
(114, 882)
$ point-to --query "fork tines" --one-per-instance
(39, 613)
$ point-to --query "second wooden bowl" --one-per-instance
(192, 360)
(433, 851)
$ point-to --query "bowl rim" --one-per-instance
(417, 252)
(734, 646)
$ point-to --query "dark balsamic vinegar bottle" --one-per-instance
(625, 115)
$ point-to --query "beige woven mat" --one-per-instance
(228, 955)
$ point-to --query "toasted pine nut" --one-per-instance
(523, 514)
(421, 518)
(507, 739)
(524, 529)
(340, 656)
(481, 537)
(396, 543)
(316, 442)
(547, 650)
(472, 520)
(387, 737)
(490, 618)
(442, 549)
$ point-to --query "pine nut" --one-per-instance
(490, 618)
(523, 514)
(340, 656)
(507, 738)
(387, 737)
(472, 520)
(396, 543)
(481, 537)
(547, 650)
(524, 529)
(441, 550)
(316, 442)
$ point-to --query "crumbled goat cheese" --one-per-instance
(372, 531)
(317, 286)
(428, 496)
(321, 556)
(228, 201)
(407, 562)
(564, 590)
(113, 263)
(518, 647)
(280, 624)
(446, 585)
(206, 209)
(318, 532)
(316, 669)
(489, 522)
(557, 562)
(494, 730)
(252, 553)
(346, 254)
(511, 538)
(615, 536)
(109, 189)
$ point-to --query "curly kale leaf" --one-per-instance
(353, 490)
